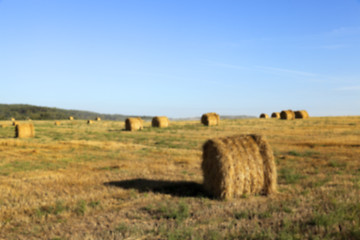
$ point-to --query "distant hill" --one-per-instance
(24, 111)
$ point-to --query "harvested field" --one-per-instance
(76, 181)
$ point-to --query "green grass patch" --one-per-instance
(178, 212)
(58, 208)
(337, 164)
(302, 154)
(289, 176)
(80, 207)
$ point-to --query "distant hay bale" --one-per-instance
(264, 115)
(238, 165)
(275, 115)
(302, 114)
(160, 122)
(89, 122)
(97, 119)
(210, 119)
(287, 115)
(12, 119)
(133, 124)
(24, 130)
(57, 123)
(71, 118)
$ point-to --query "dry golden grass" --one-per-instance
(77, 181)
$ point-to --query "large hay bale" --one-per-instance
(71, 118)
(275, 115)
(264, 115)
(161, 122)
(89, 122)
(210, 119)
(97, 119)
(57, 123)
(238, 165)
(287, 115)
(24, 130)
(133, 124)
(302, 114)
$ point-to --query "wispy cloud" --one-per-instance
(345, 31)
(225, 65)
(287, 71)
(267, 69)
(349, 88)
(334, 46)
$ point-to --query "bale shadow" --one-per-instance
(174, 188)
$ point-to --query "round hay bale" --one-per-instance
(57, 123)
(71, 118)
(264, 115)
(133, 124)
(24, 130)
(301, 114)
(12, 119)
(210, 119)
(97, 119)
(275, 115)
(287, 115)
(237, 165)
(89, 122)
(160, 122)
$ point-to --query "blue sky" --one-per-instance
(182, 58)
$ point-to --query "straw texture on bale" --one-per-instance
(133, 124)
(303, 114)
(287, 115)
(238, 165)
(97, 119)
(24, 130)
(57, 123)
(210, 119)
(71, 118)
(275, 115)
(89, 121)
(264, 115)
(160, 122)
